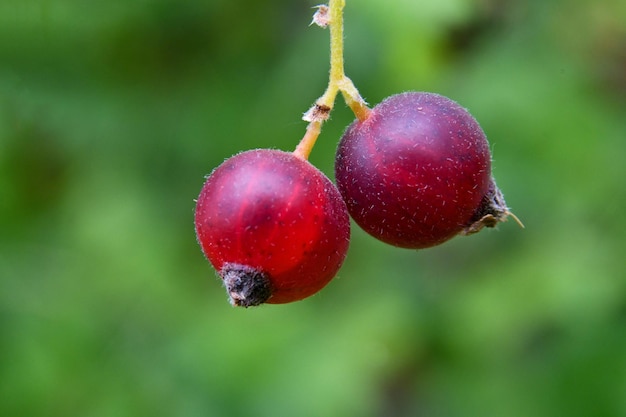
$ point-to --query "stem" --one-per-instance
(303, 150)
(336, 42)
(320, 112)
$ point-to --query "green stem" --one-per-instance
(337, 82)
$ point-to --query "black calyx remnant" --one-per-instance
(491, 211)
(246, 286)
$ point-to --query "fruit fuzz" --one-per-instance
(273, 226)
(417, 172)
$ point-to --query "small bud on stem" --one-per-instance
(321, 17)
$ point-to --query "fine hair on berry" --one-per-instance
(274, 227)
(414, 172)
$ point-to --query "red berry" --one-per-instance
(414, 173)
(274, 227)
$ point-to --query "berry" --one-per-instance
(415, 171)
(274, 227)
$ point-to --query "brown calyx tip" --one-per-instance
(246, 286)
(491, 211)
(317, 113)
(322, 16)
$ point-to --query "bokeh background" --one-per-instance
(112, 113)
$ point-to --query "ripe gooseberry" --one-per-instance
(415, 171)
(274, 227)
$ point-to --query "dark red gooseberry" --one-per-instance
(414, 173)
(274, 227)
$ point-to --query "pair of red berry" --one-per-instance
(415, 173)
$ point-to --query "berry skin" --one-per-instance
(274, 227)
(414, 173)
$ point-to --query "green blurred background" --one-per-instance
(112, 113)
